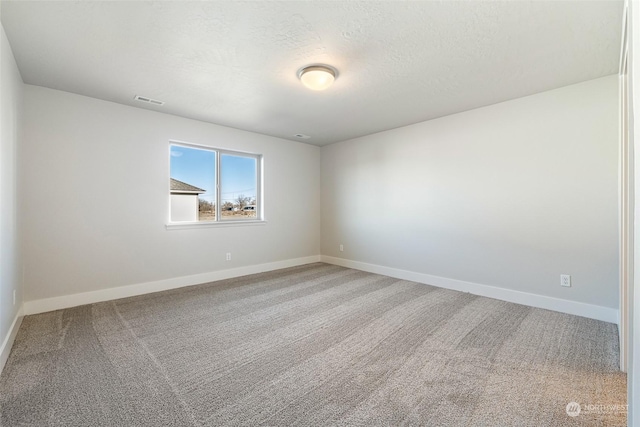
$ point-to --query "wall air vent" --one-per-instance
(148, 100)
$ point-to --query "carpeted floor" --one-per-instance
(315, 345)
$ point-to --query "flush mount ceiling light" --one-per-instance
(318, 76)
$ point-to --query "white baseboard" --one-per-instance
(8, 340)
(67, 301)
(591, 311)
(597, 312)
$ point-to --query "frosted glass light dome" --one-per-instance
(317, 77)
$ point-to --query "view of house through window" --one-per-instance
(213, 185)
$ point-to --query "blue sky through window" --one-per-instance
(238, 176)
(197, 167)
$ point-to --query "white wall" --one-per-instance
(511, 195)
(10, 109)
(86, 162)
(184, 207)
(633, 361)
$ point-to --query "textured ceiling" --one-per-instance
(234, 63)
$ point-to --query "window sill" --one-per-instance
(213, 224)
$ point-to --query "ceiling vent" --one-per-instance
(148, 100)
(301, 136)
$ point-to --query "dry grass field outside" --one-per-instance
(227, 215)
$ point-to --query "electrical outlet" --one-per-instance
(228, 256)
(14, 297)
(341, 247)
(565, 280)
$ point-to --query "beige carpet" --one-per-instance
(316, 345)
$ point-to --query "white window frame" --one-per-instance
(218, 222)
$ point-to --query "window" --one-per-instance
(213, 185)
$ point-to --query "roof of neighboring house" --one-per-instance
(183, 187)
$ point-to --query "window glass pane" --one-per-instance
(239, 187)
(193, 184)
